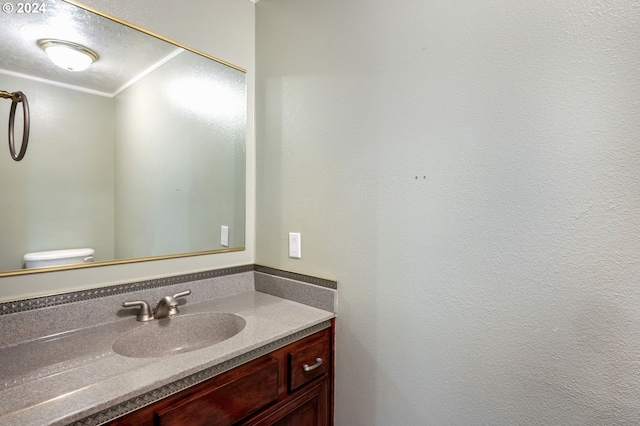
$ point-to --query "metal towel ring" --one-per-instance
(17, 98)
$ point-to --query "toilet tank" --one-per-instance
(44, 259)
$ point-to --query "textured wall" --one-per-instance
(469, 172)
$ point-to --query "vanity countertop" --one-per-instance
(65, 377)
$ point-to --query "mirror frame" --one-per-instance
(16, 272)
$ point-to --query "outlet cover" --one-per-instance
(224, 236)
(295, 245)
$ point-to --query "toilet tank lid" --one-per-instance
(58, 254)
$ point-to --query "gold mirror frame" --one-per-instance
(18, 272)
(151, 33)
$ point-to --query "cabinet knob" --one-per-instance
(308, 368)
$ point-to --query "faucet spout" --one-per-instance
(164, 307)
(168, 305)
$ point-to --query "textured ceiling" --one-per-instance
(124, 52)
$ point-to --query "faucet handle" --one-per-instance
(173, 308)
(145, 311)
(182, 294)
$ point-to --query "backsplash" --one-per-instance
(298, 277)
(77, 296)
(28, 319)
(320, 294)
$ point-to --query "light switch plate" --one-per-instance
(295, 245)
(224, 236)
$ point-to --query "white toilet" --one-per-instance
(44, 259)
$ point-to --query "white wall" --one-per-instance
(469, 172)
(221, 28)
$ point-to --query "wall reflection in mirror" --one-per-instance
(140, 155)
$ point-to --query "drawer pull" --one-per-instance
(308, 368)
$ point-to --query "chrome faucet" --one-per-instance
(166, 306)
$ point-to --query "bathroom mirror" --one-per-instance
(141, 156)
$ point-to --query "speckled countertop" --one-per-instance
(65, 377)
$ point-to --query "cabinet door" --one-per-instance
(307, 409)
(226, 404)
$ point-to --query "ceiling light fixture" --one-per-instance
(68, 55)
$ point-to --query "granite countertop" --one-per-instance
(63, 378)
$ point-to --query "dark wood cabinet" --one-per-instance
(291, 386)
(308, 408)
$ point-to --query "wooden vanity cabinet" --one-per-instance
(291, 386)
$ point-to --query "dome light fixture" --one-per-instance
(68, 55)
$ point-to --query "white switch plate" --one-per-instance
(295, 249)
(224, 236)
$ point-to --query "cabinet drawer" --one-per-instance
(228, 403)
(308, 362)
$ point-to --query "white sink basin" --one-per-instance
(178, 334)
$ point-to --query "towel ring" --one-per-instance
(17, 98)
